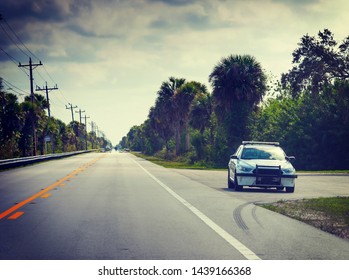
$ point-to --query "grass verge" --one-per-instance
(183, 164)
(176, 163)
(324, 172)
(329, 214)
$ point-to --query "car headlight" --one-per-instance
(244, 168)
(288, 170)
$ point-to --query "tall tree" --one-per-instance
(11, 120)
(183, 103)
(201, 112)
(239, 84)
(202, 120)
(164, 111)
(35, 120)
(317, 62)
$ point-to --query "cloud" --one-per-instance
(40, 10)
(174, 2)
(111, 56)
(296, 2)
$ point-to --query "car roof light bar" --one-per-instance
(260, 143)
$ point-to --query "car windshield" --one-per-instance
(265, 152)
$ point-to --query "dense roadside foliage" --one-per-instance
(16, 129)
(315, 131)
(308, 113)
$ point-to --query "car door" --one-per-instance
(233, 161)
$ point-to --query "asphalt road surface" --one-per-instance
(118, 206)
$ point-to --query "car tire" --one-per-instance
(290, 189)
(238, 187)
(230, 183)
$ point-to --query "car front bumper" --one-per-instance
(265, 181)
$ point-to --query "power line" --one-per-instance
(48, 74)
(13, 37)
(59, 90)
(19, 39)
(59, 100)
(13, 41)
(15, 61)
(42, 78)
(22, 43)
(13, 86)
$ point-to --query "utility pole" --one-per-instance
(71, 108)
(93, 133)
(86, 117)
(32, 66)
(80, 114)
(47, 89)
(78, 132)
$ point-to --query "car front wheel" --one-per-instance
(238, 187)
(230, 183)
(289, 189)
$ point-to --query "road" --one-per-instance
(308, 185)
(118, 206)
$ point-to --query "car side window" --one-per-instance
(238, 151)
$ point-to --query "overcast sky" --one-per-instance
(109, 57)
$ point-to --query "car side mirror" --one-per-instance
(233, 157)
(290, 158)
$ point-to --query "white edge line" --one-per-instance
(246, 252)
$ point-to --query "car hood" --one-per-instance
(265, 162)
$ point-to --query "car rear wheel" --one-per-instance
(289, 189)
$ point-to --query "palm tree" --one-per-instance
(35, 121)
(163, 114)
(237, 79)
(11, 121)
(239, 84)
(200, 115)
(184, 98)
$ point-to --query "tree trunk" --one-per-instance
(178, 139)
(187, 137)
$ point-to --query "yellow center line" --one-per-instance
(15, 216)
(46, 195)
(42, 192)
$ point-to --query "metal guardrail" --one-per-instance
(15, 162)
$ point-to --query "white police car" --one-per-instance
(262, 165)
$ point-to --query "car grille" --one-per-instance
(276, 171)
(268, 175)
